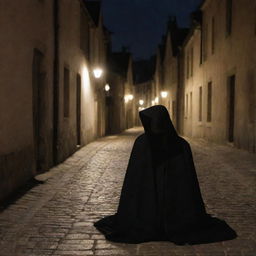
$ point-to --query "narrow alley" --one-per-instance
(56, 216)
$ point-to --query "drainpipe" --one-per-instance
(56, 81)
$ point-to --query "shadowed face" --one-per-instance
(156, 120)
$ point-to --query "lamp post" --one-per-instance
(97, 73)
(141, 102)
(107, 87)
(164, 94)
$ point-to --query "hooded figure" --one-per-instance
(160, 198)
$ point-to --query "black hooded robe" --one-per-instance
(160, 198)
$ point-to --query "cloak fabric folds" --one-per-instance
(160, 198)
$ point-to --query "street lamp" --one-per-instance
(130, 97)
(107, 87)
(164, 94)
(141, 102)
(97, 72)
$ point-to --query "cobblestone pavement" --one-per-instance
(56, 217)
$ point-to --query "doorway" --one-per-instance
(231, 107)
(78, 110)
(38, 83)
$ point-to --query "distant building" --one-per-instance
(143, 74)
(167, 78)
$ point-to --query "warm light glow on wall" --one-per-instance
(97, 72)
(128, 97)
(164, 94)
(141, 108)
(107, 87)
(153, 102)
(156, 100)
(85, 78)
(141, 102)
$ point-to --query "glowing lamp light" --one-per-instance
(130, 97)
(153, 102)
(107, 87)
(97, 72)
(141, 102)
(164, 94)
(126, 98)
(156, 100)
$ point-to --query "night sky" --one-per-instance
(140, 24)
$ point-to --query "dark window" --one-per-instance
(209, 102)
(231, 107)
(191, 105)
(66, 92)
(200, 103)
(255, 20)
(173, 109)
(229, 16)
(213, 35)
(186, 111)
(78, 109)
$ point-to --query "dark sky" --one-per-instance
(140, 24)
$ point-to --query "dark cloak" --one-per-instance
(160, 198)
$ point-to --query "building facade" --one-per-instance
(50, 102)
(219, 75)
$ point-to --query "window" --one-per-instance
(229, 14)
(186, 109)
(200, 103)
(201, 48)
(173, 110)
(191, 105)
(66, 92)
(213, 35)
(209, 102)
(255, 20)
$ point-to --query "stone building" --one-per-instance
(220, 68)
(143, 77)
(50, 102)
(81, 96)
(26, 71)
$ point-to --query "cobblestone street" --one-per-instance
(56, 217)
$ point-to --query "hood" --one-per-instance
(156, 120)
